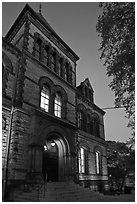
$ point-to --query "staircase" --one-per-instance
(58, 192)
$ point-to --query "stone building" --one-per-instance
(51, 128)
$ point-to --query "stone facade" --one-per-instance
(34, 56)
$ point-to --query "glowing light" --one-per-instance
(52, 143)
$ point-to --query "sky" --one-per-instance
(75, 23)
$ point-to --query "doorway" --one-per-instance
(50, 162)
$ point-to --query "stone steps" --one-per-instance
(59, 192)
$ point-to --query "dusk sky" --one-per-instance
(76, 23)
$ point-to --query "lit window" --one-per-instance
(98, 164)
(58, 105)
(45, 93)
(82, 160)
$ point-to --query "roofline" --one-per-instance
(27, 7)
(92, 104)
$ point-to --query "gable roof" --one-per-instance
(44, 22)
(87, 83)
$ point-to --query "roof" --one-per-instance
(40, 17)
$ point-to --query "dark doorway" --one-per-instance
(50, 162)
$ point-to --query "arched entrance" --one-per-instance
(54, 158)
(50, 161)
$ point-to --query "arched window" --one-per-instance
(58, 105)
(67, 71)
(45, 97)
(60, 64)
(53, 61)
(80, 120)
(46, 55)
(38, 49)
(98, 162)
(88, 124)
(83, 160)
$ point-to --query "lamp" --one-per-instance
(45, 148)
(52, 143)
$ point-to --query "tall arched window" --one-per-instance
(98, 162)
(58, 105)
(45, 97)
(83, 160)
(80, 120)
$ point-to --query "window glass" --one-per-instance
(58, 105)
(82, 160)
(98, 162)
(45, 95)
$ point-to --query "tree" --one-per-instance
(121, 162)
(116, 27)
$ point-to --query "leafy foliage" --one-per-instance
(121, 161)
(116, 27)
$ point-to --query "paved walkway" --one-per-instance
(117, 198)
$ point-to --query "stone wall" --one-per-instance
(18, 146)
(31, 95)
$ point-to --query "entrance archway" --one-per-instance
(50, 161)
(54, 158)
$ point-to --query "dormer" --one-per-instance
(86, 90)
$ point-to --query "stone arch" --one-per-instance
(95, 116)
(85, 144)
(81, 107)
(58, 131)
(99, 149)
(46, 81)
(56, 134)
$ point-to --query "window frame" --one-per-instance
(98, 162)
(83, 159)
(58, 105)
(45, 97)
(37, 48)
